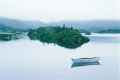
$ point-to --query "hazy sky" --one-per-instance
(55, 10)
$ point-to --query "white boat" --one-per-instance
(82, 60)
(85, 61)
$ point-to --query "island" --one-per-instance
(62, 36)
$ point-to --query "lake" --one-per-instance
(32, 60)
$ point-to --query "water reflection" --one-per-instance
(31, 60)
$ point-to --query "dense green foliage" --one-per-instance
(62, 36)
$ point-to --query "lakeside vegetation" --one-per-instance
(7, 33)
(62, 36)
(110, 31)
(7, 36)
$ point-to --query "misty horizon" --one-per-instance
(52, 21)
(52, 10)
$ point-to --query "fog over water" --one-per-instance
(32, 60)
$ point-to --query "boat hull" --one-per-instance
(85, 61)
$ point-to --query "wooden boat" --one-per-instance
(85, 61)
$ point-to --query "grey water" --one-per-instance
(32, 60)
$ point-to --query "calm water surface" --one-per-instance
(32, 60)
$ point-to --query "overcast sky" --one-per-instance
(55, 10)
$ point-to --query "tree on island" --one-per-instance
(62, 36)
